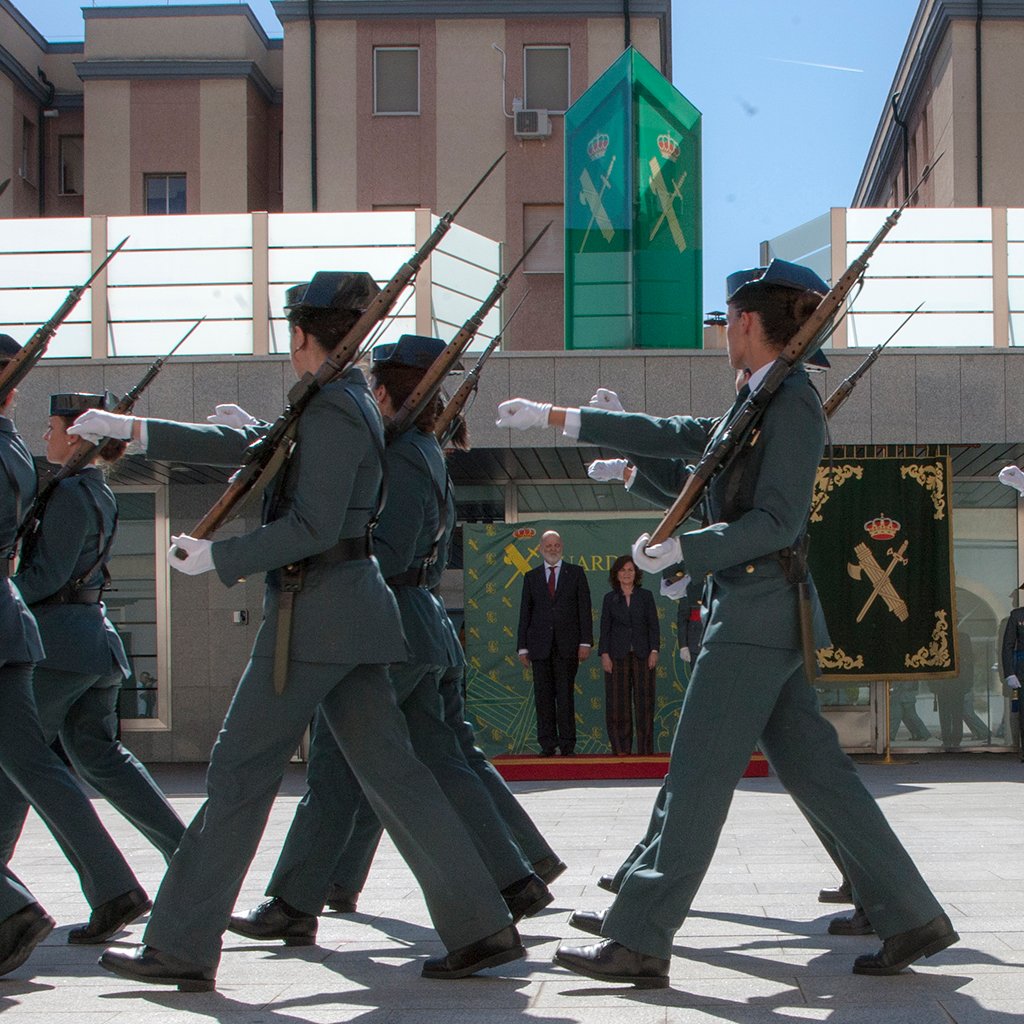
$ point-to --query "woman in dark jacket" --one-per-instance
(628, 646)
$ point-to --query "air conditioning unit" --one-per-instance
(532, 124)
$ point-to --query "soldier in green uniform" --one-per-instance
(344, 631)
(757, 515)
(407, 542)
(62, 575)
(30, 770)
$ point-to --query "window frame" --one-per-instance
(568, 76)
(419, 94)
(61, 190)
(166, 175)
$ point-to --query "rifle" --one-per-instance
(446, 422)
(85, 452)
(801, 345)
(843, 392)
(32, 351)
(421, 396)
(265, 456)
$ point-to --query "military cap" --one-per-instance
(8, 347)
(333, 289)
(415, 350)
(782, 274)
(76, 402)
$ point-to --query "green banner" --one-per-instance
(882, 559)
(499, 697)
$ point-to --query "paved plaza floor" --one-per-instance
(755, 949)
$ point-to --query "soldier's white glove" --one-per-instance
(684, 653)
(522, 414)
(200, 556)
(603, 470)
(675, 591)
(96, 424)
(606, 399)
(657, 557)
(1013, 682)
(230, 415)
(1013, 477)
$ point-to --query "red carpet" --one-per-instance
(534, 768)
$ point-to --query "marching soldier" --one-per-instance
(331, 633)
(30, 770)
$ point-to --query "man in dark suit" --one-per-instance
(555, 635)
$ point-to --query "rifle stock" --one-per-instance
(32, 351)
(801, 345)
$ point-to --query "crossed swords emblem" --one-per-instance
(518, 562)
(880, 578)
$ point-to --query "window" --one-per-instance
(29, 151)
(546, 78)
(396, 80)
(72, 165)
(165, 193)
(549, 256)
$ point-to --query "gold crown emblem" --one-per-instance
(668, 146)
(598, 146)
(882, 527)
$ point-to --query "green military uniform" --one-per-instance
(30, 770)
(345, 629)
(77, 684)
(757, 507)
(404, 540)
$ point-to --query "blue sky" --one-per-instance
(790, 94)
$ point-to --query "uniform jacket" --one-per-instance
(77, 522)
(19, 636)
(768, 489)
(626, 627)
(690, 618)
(456, 655)
(1013, 642)
(345, 613)
(561, 624)
(404, 538)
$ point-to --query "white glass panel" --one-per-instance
(935, 329)
(461, 277)
(471, 247)
(1015, 258)
(290, 266)
(1017, 329)
(58, 270)
(46, 234)
(1015, 225)
(194, 231)
(299, 230)
(34, 306)
(213, 301)
(211, 338)
(1016, 290)
(943, 225)
(72, 340)
(959, 294)
(453, 310)
(928, 259)
(181, 266)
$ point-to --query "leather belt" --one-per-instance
(348, 549)
(416, 576)
(68, 595)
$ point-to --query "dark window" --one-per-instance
(546, 78)
(396, 80)
(165, 193)
(72, 165)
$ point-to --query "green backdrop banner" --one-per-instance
(500, 691)
(881, 556)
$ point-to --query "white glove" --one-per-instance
(606, 399)
(229, 415)
(200, 555)
(1013, 682)
(521, 414)
(674, 591)
(1013, 477)
(607, 469)
(684, 653)
(659, 557)
(96, 424)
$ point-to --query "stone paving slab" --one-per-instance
(755, 949)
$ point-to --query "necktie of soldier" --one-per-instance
(551, 580)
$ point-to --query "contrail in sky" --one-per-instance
(811, 64)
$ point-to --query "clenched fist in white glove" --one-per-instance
(199, 556)
(522, 414)
(230, 415)
(606, 399)
(1013, 477)
(607, 469)
(1013, 682)
(657, 557)
(96, 424)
